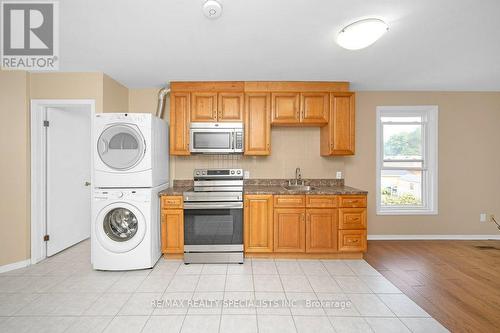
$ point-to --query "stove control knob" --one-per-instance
(232, 172)
(197, 173)
(238, 172)
(204, 172)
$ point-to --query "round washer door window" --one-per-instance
(121, 147)
(120, 227)
(120, 224)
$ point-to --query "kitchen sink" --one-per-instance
(298, 188)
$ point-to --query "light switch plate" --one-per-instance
(339, 175)
(246, 175)
(482, 217)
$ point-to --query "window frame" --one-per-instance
(429, 156)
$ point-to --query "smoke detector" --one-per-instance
(212, 9)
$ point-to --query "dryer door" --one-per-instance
(120, 227)
(121, 147)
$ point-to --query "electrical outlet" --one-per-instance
(339, 175)
(491, 217)
(482, 217)
(246, 174)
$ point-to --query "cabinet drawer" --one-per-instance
(352, 201)
(170, 201)
(289, 201)
(352, 240)
(321, 201)
(352, 218)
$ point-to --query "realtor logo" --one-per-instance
(30, 35)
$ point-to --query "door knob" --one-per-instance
(87, 183)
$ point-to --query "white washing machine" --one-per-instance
(131, 150)
(125, 231)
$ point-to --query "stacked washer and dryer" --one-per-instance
(130, 169)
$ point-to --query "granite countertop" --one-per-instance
(275, 186)
(176, 190)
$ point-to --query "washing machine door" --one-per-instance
(121, 147)
(120, 227)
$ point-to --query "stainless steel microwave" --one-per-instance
(216, 138)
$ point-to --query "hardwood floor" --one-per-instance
(454, 281)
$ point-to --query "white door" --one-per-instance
(68, 176)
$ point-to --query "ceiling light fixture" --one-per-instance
(212, 9)
(361, 34)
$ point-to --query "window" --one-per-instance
(407, 160)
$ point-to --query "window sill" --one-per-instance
(407, 212)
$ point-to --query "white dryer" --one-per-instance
(125, 232)
(131, 150)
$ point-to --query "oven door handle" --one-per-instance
(218, 205)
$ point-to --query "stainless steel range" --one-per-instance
(213, 217)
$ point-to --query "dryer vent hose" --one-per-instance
(161, 101)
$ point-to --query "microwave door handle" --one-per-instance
(232, 140)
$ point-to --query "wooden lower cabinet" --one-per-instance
(172, 231)
(352, 240)
(289, 230)
(321, 230)
(258, 223)
(352, 218)
(305, 225)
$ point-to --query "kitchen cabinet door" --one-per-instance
(321, 230)
(258, 223)
(179, 123)
(230, 107)
(289, 230)
(172, 231)
(204, 106)
(257, 124)
(314, 108)
(285, 108)
(337, 138)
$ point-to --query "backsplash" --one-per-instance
(291, 148)
(284, 182)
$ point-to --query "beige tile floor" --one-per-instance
(64, 294)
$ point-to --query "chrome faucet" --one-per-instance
(298, 178)
(298, 175)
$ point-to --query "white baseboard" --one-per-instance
(433, 237)
(15, 265)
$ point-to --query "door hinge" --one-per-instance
(45, 123)
(46, 238)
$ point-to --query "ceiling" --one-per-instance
(431, 44)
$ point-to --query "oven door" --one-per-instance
(212, 141)
(213, 227)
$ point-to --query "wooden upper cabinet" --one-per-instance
(285, 108)
(338, 137)
(172, 231)
(321, 230)
(179, 123)
(289, 230)
(314, 108)
(230, 106)
(258, 223)
(204, 106)
(257, 124)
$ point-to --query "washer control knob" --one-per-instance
(118, 194)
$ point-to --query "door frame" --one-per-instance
(38, 153)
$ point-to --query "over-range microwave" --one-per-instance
(216, 138)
